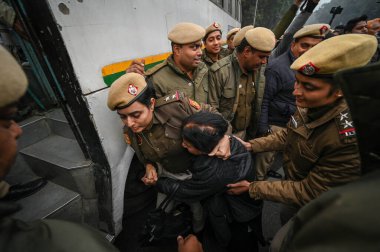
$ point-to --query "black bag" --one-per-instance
(161, 226)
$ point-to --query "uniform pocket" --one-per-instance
(306, 152)
(173, 132)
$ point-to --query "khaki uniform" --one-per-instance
(207, 59)
(224, 52)
(319, 153)
(161, 142)
(168, 78)
(234, 94)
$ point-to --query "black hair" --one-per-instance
(334, 85)
(204, 130)
(244, 43)
(147, 94)
(310, 36)
(206, 36)
(351, 23)
(172, 45)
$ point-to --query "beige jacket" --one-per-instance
(318, 155)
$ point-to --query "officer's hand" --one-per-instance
(238, 188)
(137, 66)
(189, 244)
(247, 145)
(222, 149)
(150, 177)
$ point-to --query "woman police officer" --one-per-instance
(153, 129)
(319, 143)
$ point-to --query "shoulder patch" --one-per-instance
(194, 104)
(346, 128)
(127, 139)
(156, 68)
(176, 96)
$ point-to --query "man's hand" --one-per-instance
(137, 66)
(222, 149)
(247, 145)
(238, 188)
(189, 244)
(150, 177)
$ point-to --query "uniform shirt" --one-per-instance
(161, 142)
(167, 78)
(320, 152)
(207, 59)
(233, 92)
(246, 96)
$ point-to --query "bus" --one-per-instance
(72, 51)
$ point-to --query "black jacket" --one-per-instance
(278, 102)
(211, 175)
(208, 184)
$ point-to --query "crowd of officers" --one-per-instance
(290, 104)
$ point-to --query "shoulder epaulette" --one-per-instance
(156, 68)
(173, 97)
(220, 63)
(346, 127)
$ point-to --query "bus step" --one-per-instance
(52, 201)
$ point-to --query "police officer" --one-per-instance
(212, 41)
(230, 38)
(239, 36)
(278, 102)
(352, 207)
(39, 235)
(152, 127)
(233, 90)
(319, 144)
(184, 69)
